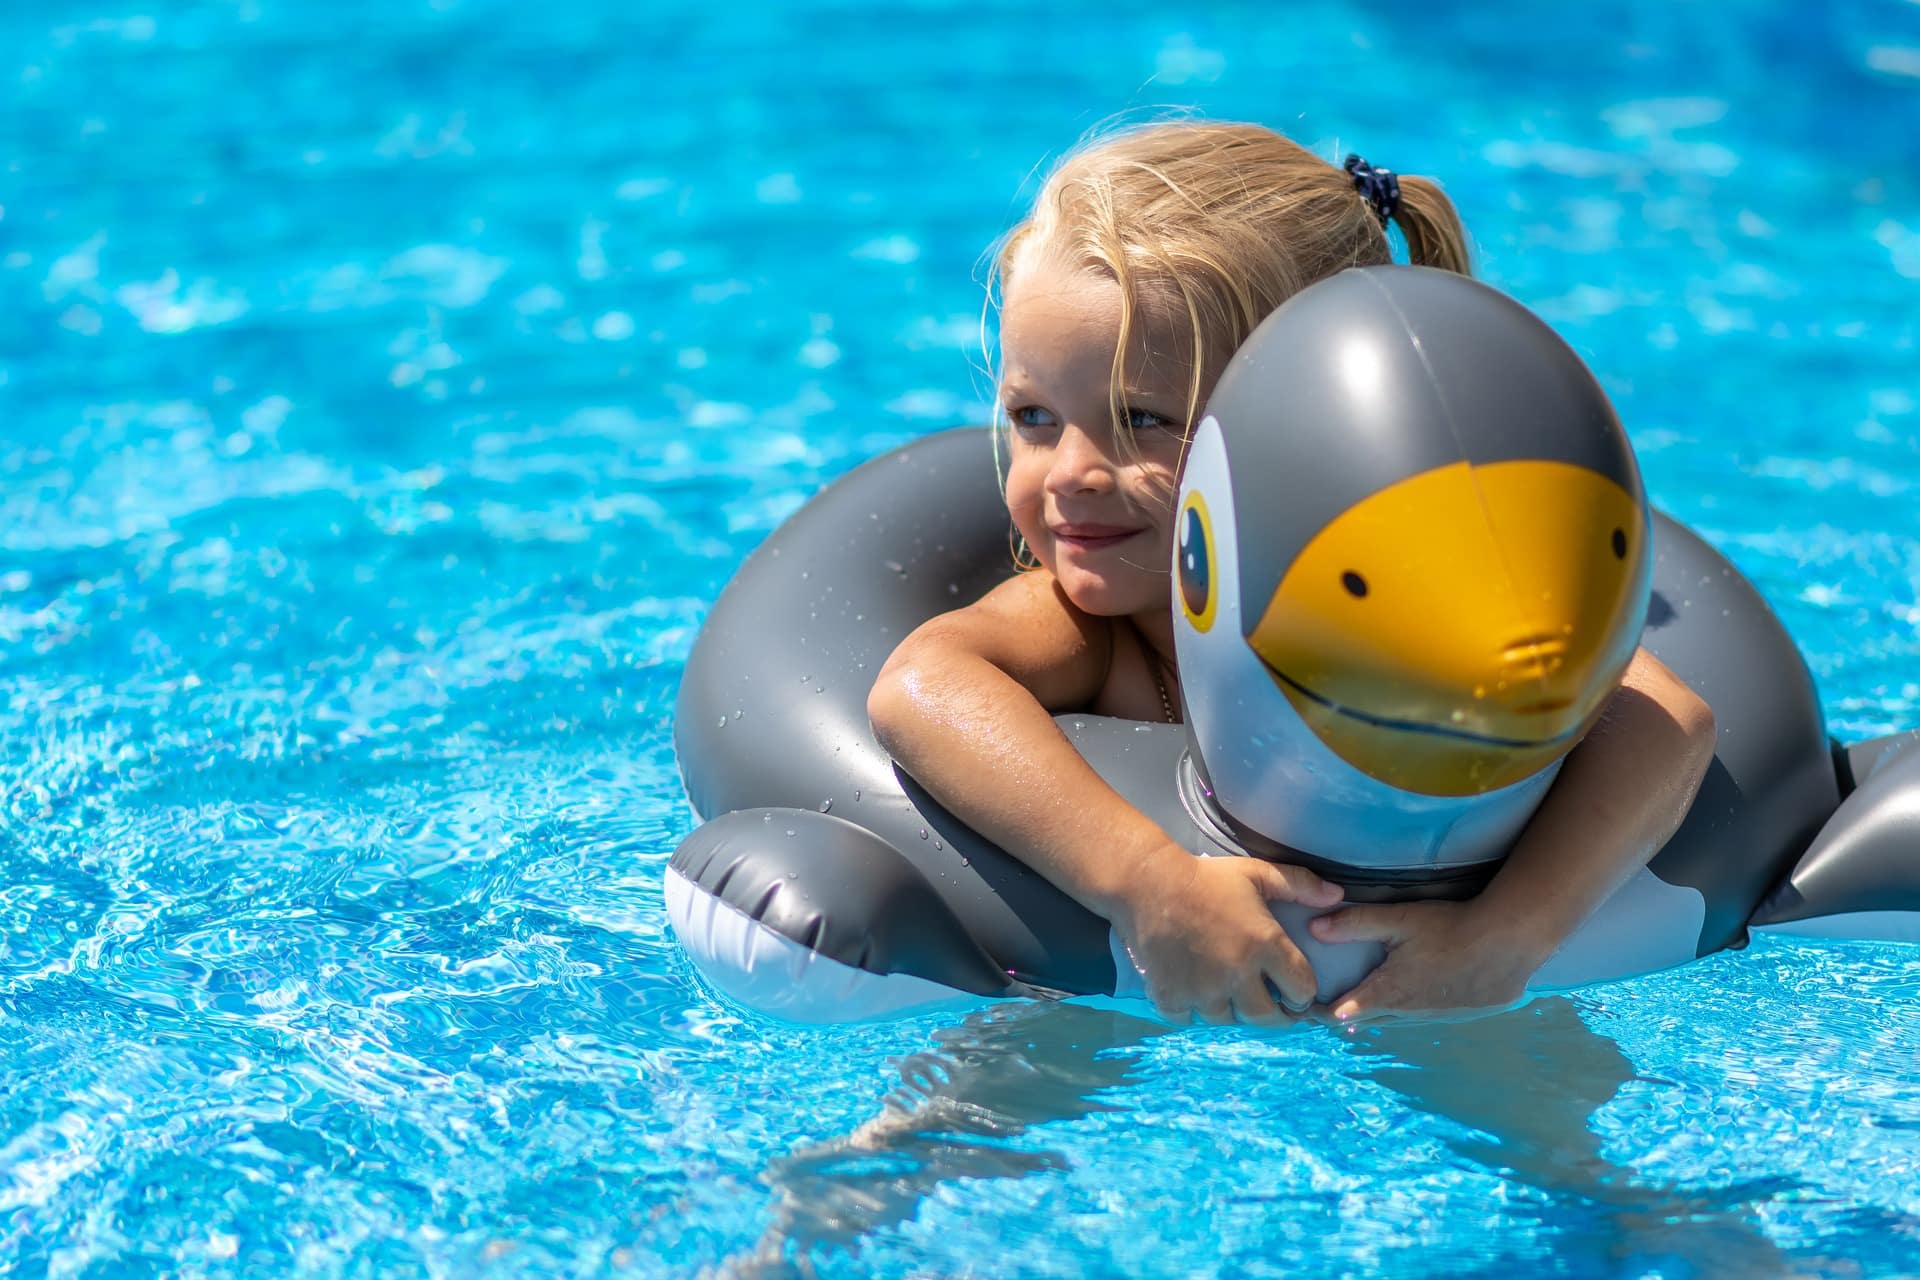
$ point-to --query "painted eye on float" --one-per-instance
(1193, 563)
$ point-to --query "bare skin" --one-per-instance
(965, 704)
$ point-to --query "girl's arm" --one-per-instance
(963, 706)
(1620, 796)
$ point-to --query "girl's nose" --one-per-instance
(1080, 464)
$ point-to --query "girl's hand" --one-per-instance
(1445, 960)
(1620, 795)
(1202, 933)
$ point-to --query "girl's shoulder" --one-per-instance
(1075, 661)
(1028, 628)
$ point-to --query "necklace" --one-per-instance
(1160, 668)
(1160, 683)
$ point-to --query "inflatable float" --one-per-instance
(1413, 557)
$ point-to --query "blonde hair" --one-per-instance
(1218, 224)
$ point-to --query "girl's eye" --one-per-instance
(1030, 416)
(1148, 420)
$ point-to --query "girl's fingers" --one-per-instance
(1288, 1004)
(1361, 924)
(1173, 1010)
(1362, 1005)
(1280, 882)
(1288, 973)
(1254, 1004)
(1353, 1006)
(1218, 1012)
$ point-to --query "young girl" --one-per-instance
(1148, 258)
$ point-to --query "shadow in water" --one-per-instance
(999, 1073)
(1528, 1083)
(1525, 1083)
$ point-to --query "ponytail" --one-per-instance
(1432, 227)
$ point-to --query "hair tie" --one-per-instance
(1378, 187)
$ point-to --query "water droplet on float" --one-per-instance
(766, 817)
(790, 831)
(793, 875)
(804, 679)
(723, 722)
(923, 833)
(856, 797)
(966, 862)
(938, 845)
(897, 567)
(826, 805)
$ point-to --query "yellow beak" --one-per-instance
(1460, 630)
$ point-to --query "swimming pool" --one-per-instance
(385, 393)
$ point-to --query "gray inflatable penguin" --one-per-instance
(1413, 557)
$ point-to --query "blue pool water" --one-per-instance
(387, 390)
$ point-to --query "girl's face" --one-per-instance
(1098, 517)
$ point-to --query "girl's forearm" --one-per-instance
(1620, 796)
(979, 742)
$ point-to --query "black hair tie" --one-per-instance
(1379, 187)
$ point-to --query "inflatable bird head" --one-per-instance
(1411, 563)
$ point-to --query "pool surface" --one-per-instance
(388, 389)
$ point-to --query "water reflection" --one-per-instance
(999, 1073)
(1520, 1088)
(1526, 1085)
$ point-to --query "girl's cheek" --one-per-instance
(1023, 493)
(1023, 505)
(1154, 489)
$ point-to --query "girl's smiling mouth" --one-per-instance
(1089, 536)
